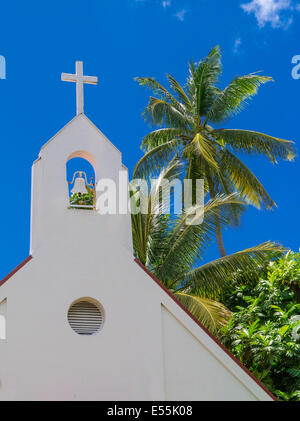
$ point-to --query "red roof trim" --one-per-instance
(205, 329)
(15, 270)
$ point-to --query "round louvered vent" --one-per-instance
(85, 317)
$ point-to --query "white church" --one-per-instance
(81, 319)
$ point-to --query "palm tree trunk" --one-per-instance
(296, 289)
(219, 235)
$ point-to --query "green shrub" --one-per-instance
(264, 331)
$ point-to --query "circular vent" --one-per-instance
(85, 317)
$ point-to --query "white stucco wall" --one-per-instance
(138, 353)
(207, 380)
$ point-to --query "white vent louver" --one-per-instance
(85, 317)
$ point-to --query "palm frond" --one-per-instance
(244, 181)
(231, 100)
(158, 89)
(160, 112)
(156, 159)
(200, 145)
(202, 79)
(211, 314)
(189, 237)
(212, 278)
(179, 91)
(224, 184)
(149, 227)
(257, 143)
(160, 136)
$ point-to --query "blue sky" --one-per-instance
(121, 39)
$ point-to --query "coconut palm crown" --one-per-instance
(188, 122)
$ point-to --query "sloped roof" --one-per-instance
(17, 268)
(77, 117)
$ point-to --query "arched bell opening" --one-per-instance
(81, 182)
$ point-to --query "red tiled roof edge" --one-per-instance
(15, 270)
(206, 330)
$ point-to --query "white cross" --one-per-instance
(80, 80)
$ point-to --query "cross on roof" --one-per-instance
(79, 79)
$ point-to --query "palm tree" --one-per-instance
(170, 246)
(209, 152)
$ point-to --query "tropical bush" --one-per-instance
(264, 331)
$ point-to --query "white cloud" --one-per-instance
(166, 3)
(237, 44)
(181, 15)
(270, 11)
